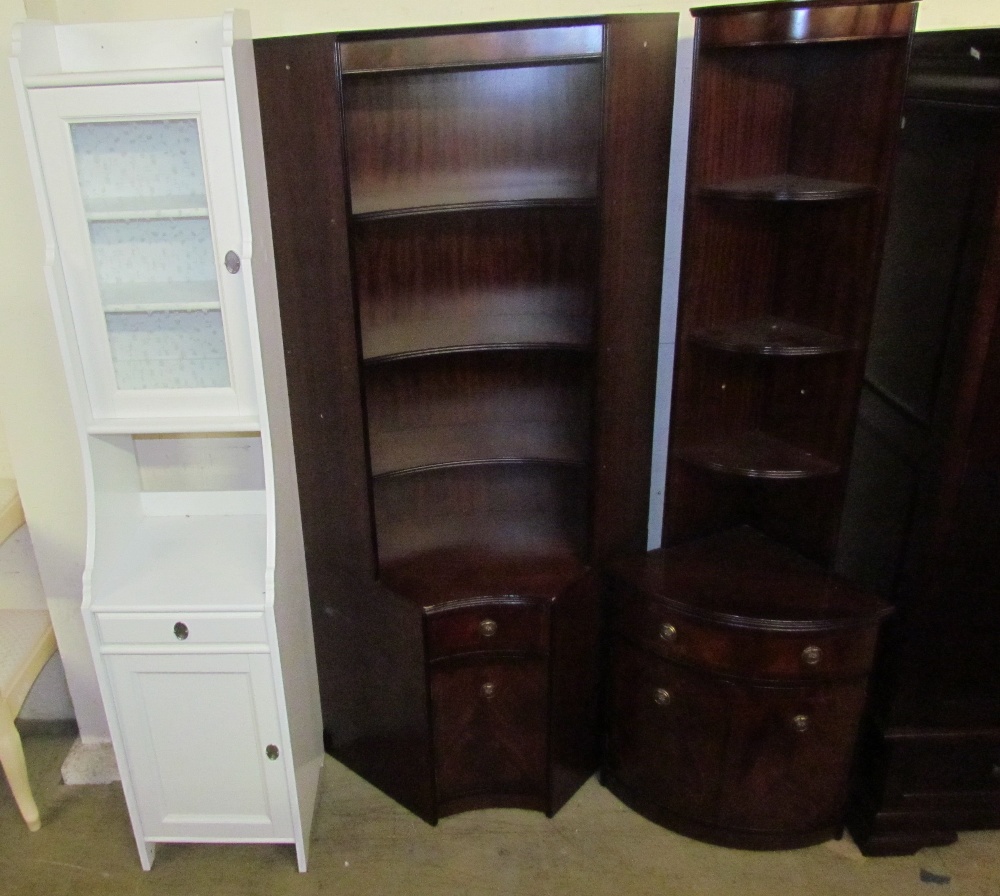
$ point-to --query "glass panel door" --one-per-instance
(146, 210)
(143, 190)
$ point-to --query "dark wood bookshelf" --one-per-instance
(469, 226)
(730, 719)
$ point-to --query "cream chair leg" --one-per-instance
(12, 759)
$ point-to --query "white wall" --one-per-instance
(34, 401)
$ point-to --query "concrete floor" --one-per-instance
(363, 843)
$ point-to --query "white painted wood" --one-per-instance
(133, 631)
(197, 728)
(294, 648)
(130, 256)
(192, 508)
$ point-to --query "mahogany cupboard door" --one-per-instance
(489, 732)
(668, 732)
(789, 756)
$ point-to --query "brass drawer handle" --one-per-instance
(272, 752)
(800, 723)
(668, 633)
(489, 690)
(662, 697)
(812, 655)
(487, 628)
(180, 631)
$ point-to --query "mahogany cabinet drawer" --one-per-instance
(494, 625)
(756, 652)
(180, 629)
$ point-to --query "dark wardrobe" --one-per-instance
(922, 516)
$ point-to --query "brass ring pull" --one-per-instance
(662, 697)
(489, 690)
(668, 633)
(180, 631)
(800, 723)
(812, 655)
(487, 628)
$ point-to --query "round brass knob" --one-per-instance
(271, 751)
(487, 628)
(180, 631)
(662, 697)
(800, 723)
(668, 633)
(489, 690)
(812, 655)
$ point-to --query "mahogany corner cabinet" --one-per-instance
(739, 659)
(468, 231)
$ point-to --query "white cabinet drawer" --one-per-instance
(180, 629)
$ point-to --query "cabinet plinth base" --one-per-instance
(718, 836)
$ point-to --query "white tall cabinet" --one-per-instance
(145, 145)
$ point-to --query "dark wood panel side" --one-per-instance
(375, 702)
(639, 96)
(574, 709)
(301, 121)
(369, 641)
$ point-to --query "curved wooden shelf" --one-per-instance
(483, 331)
(756, 455)
(502, 442)
(787, 188)
(521, 509)
(470, 192)
(772, 336)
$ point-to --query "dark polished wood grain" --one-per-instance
(794, 125)
(668, 732)
(770, 336)
(576, 644)
(467, 137)
(789, 758)
(790, 159)
(804, 22)
(506, 276)
(525, 509)
(491, 624)
(788, 188)
(490, 729)
(486, 320)
(487, 407)
(737, 688)
(922, 521)
(636, 134)
(449, 48)
(302, 133)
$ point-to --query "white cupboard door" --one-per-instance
(146, 212)
(202, 746)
